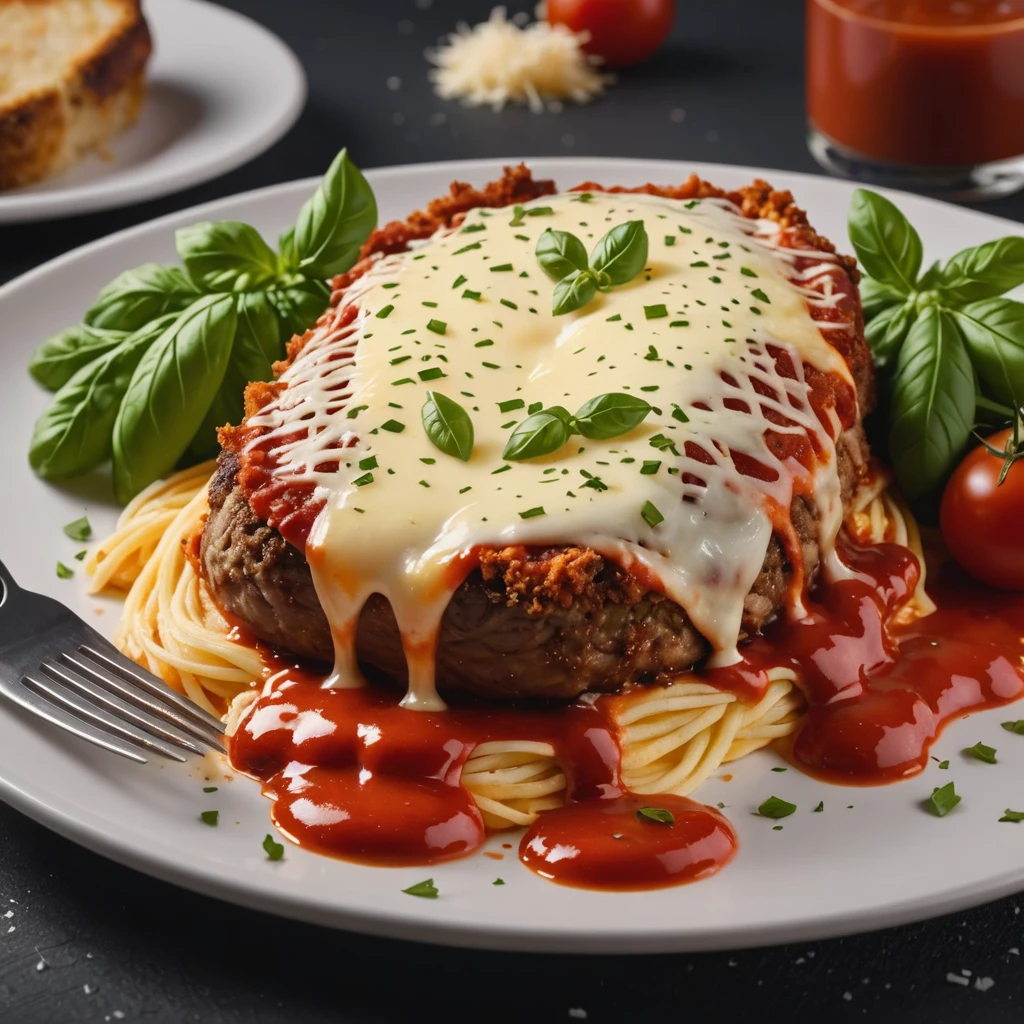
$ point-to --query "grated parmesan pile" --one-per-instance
(499, 62)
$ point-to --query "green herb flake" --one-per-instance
(209, 789)
(274, 850)
(392, 426)
(470, 294)
(820, 807)
(80, 555)
(656, 814)
(502, 268)
(613, 319)
(398, 359)
(981, 752)
(385, 311)
(511, 405)
(680, 323)
(532, 513)
(483, 344)
(777, 768)
(209, 817)
(775, 807)
(1014, 727)
(759, 294)
(498, 881)
(1009, 815)
(64, 572)
(747, 272)
(362, 481)
(466, 248)
(943, 800)
(355, 411)
(78, 530)
(437, 326)
(943, 765)
(650, 467)
(700, 263)
(431, 373)
(651, 515)
(469, 229)
(461, 279)
(670, 239)
(656, 312)
(425, 890)
(370, 462)
(402, 380)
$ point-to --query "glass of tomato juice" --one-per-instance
(925, 94)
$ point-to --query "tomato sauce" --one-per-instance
(918, 82)
(354, 775)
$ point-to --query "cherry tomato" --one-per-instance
(982, 520)
(621, 31)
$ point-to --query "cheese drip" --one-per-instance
(689, 335)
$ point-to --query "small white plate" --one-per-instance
(881, 861)
(220, 90)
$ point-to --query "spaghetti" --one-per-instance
(672, 737)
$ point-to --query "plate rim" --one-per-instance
(499, 935)
(97, 195)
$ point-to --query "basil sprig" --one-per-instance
(448, 426)
(162, 357)
(948, 348)
(600, 418)
(617, 258)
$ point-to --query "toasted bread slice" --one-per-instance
(71, 77)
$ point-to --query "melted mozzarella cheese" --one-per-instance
(689, 335)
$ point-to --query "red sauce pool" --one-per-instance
(918, 82)
(353, 775)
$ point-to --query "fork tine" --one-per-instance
(39, 706)
(99, 698)
(82, 709)
(131, 673)
(106, 680)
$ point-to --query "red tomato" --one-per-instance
(622, 31)
(983, 521)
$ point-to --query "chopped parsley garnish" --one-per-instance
(209, 817)
(399, 359)
(370, 462)
(532, 513)
(1015, 727)
(431, 305)
(466, 248)
(385, 311)
(80, 555)
(498, 881)
(747, 272)
(656, 312)
(511, 405)
(392, 426)
(650, 467)
(274, 850)
(506, 302)
(79, 529)
(390, 284)
(774, 807)
(943, 800)
(461, 279)
(362, 481)
(470, 294)
(680, 323)
(656, 814)
(670, 239)
(470, 228)
(759, 294)
(820, 807)
(700, 263)
(501, 268)
(355, 411)
(981, 752)
(437, 326)
(613, 319)
(64, 572)
(431, 373)
(678, 414)
(652, 354)
(1009, 815)
(483, 344)
(663, 443)
(651, 515)
(402, 380)
(209, 789)
(777, 768)
(426, 890)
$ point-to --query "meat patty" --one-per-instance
(550, 623)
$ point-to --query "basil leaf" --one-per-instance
(170, 392)
(887, 332)
(994, 332)
(983, 271)
(225, 256)
(256, 346)
(138, 296)
(288, 256)
(932, 403)
(573, 292)
(335, 222)
(448, 426)
(560, 254)
(875, 297)
(59, 358)
(622, 253)
(610, 415)
(299, 306)
(887, 245)
(73, 434)
(540, 434)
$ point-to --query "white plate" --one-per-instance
(882, 862)
(220, 90)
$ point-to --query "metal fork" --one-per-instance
(59, 668)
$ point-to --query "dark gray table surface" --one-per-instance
(86, 940)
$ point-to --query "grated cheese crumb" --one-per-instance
(983, 984)
(499, 62)
(957, 979)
